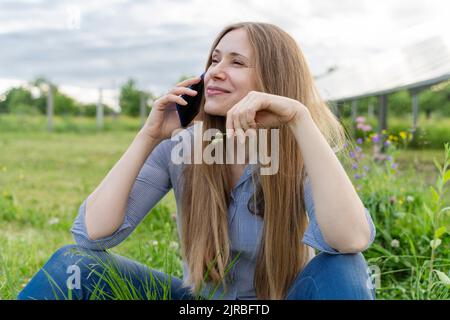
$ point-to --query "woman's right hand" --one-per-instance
(163, 118)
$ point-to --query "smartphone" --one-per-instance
(188, 112)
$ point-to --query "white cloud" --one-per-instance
(7, 83)
(88, 95)
(157, 41)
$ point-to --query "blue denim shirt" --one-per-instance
(159, 175)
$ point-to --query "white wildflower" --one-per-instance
(53, 221)
(395, 243)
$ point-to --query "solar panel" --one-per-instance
(417, 65)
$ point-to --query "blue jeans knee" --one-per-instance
(61, 274)
(74, 272)
(334, 277)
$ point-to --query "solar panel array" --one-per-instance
(417, 65)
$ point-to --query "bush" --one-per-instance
(431, 133)
(410, 253)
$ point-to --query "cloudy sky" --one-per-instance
(83, 45)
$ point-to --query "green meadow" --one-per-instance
(45, 176)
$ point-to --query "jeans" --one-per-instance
(78, 273)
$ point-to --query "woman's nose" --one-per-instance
(217, 71)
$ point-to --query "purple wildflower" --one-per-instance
(355, 166)
(376, 138)
(359, 141)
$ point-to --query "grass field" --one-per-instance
(44, 177)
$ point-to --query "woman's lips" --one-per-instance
(211, 92)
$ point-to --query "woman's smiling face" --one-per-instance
(232, 69)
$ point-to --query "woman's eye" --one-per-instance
(234, 62)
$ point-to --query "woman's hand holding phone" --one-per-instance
(163, 118)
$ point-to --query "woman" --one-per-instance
(244, 235)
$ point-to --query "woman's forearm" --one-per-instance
(338, 208)
(106, 205)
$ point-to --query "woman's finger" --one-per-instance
(188, 82)
(169, 98)
(237, 128)
(243, 120)
(183, 90)
(251, 114)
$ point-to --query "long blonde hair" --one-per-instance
(281, 69)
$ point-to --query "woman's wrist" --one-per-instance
(302, 115)
(143, 137)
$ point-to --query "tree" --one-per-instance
(400, 103)
(90, 110)
(129, 98)
(17, 100)
(431, 101)
(41, 101)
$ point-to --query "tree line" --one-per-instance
(22, 100)
(32, 99)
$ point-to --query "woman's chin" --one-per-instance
(214, 110)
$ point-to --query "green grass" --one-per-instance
(43, 180)
(63, 124)
(410, 208)
(44, 177)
